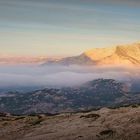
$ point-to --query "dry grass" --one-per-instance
(104, 124)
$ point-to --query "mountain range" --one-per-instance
(94, 94)
(118, 55)
(22, 60)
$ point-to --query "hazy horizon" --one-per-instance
(33, 29)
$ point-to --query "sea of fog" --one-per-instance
(30, 77)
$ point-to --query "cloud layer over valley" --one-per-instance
(45, 76)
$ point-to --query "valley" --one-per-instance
(91, 95)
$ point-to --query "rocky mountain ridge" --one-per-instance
(128, 55)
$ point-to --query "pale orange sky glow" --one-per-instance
(59, 28)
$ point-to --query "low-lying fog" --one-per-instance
(20, 76)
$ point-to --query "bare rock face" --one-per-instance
(98, 54)
(119, 55)
(128, 55)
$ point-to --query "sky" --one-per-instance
(66, 27)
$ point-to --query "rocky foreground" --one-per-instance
(104, 124)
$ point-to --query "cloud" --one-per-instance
(60, 76)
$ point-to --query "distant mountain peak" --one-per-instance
(119, 55)
(127, 55)
(99, 53)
